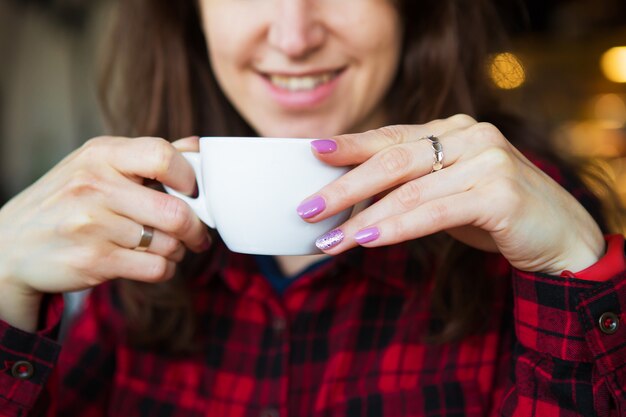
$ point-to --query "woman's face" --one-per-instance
(304, 68)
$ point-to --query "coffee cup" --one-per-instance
(249, 189)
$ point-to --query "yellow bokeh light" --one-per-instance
(613, 63)
(506, 71)
(610, 111)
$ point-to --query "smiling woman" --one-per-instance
(320, 62)
(475, 281)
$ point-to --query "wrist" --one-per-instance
(581, 253)
(19, 307)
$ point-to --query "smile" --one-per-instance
(302, 91)
(296, 83)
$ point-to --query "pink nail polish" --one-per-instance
(329, 240)
(367, 235)
(324, 145)
(311, 207)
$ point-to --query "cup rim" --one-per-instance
(255, 139)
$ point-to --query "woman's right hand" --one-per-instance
(78, 225)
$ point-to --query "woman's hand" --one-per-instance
(78, 225)
(488, 195)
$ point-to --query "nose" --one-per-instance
(296, 30)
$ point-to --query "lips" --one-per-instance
(304, 90)
(305, 82)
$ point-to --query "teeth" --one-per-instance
(300, 83)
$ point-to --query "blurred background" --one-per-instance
(566, 70)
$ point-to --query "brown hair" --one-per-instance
(157, 81)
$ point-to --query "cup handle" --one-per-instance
(198, 204)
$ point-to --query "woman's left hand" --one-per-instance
(488, 195)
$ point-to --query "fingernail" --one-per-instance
(311, 207)
(324, 145)
(329, 240)
(367, 235)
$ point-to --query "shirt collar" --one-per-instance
(390, 265)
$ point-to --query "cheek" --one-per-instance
(380, 55)
(385, 42)
(377, 45)
(227, 46)
(222, 45)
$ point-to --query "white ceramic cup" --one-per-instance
(249, 189)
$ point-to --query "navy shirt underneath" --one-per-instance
(271, 271)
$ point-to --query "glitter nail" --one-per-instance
(329, 240)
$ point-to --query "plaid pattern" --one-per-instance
(345, 340)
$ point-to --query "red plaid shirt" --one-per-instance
(344, 340)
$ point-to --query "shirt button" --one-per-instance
(609, 322)
(270, 412)
(279, 325)
(22, 370)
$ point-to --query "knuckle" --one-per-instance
(96, 143)
(461, 119)
(408, 196)
(487, 132)
(498, 159)
(82, 182)
(175, 212)
(162, 153)
(395, 161)
(438, 213)
(86, 260)
(393, 134)
(77, 224)
(95, 148)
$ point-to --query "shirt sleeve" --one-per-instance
(27, 361)
(611, 264)
(73, 381)
(571, 353)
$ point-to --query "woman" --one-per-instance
(407, 325)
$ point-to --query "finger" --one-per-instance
(188, 144)
(123, 232)
(152, 158)
(434, 216)
(127, 234)
(162, 211)
(453, 180)
(139, 266)
(353, 149)
(385, 170)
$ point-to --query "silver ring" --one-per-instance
(147, 233)
(438, 150)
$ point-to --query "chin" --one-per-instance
(301, 129)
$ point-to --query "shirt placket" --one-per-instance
(273, 363)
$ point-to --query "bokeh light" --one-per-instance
(610, 111)
(613, 64)
(506, 71)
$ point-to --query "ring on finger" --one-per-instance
(147, 233)
(438, 152)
